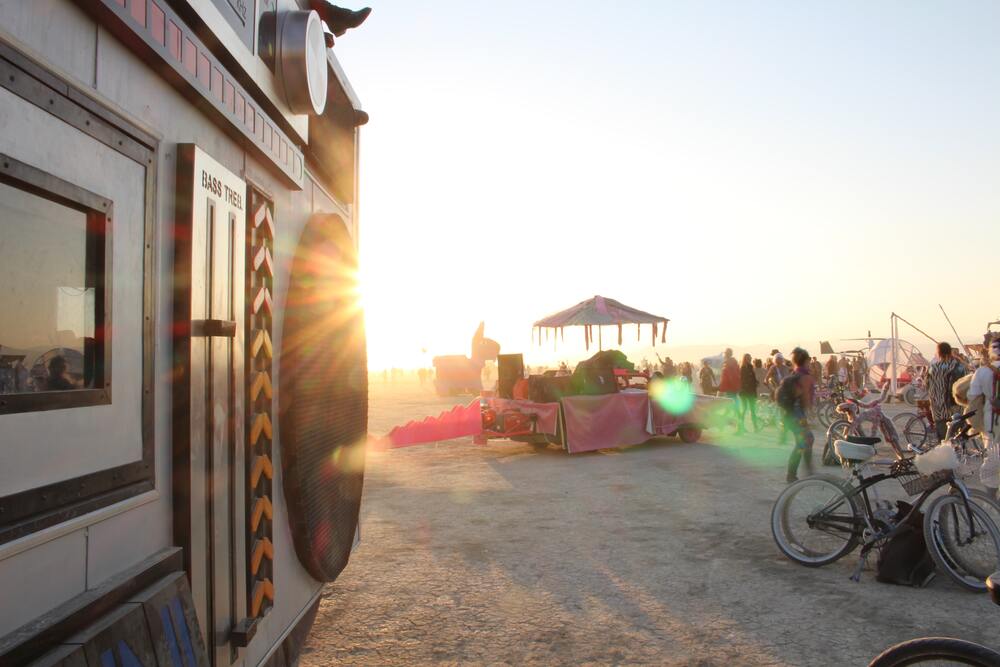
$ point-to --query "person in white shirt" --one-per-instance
(983, 384)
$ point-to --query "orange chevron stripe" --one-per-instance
(261, 548)
(261, 382)
(261, 466)
(263, 215)
(263, 299)
(261, 424)
(262, 507)
(262, 589)
(263, 257)
(261, 340)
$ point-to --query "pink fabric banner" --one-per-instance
(611, 420)
(548, 413)
(459, 422)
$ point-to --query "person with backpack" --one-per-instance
(795, 398)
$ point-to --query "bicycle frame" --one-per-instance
(870, 521)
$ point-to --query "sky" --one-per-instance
(758, 172)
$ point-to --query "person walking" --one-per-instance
(816, 369)
(776, 373)
(706, 378)
(729, 385)
(795, 398)
(943, 373)
(831, 366)
(748, 394)
(760, 373)
(687, 373)
(985, 391)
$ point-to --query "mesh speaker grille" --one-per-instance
(323, 404)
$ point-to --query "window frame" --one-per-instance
(100, 217)
(30, 511)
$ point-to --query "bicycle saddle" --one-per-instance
(853, 452)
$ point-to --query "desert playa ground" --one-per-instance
(656, 554)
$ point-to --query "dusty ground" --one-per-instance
(658, 554)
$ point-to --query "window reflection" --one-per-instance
(47, 298)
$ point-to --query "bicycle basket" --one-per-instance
(914, 483)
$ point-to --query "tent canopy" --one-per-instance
(879, 358)
(601, 311)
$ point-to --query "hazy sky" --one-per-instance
(756, 171)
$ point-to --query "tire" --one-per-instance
(946, 526)
(986, 501)
(838, 430)
(910, 395)
(929, 650)
(915, 431)
(786, 529)
(689, 434)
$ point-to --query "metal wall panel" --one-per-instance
(68, 35)
(126, 539)
(40, 579)
(57, 438)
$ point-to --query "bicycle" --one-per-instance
(820, 519)
(931, 650)
(864, 420)
(918, 427)
(828, 397)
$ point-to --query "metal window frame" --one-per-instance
(32, 510)
(99, 271)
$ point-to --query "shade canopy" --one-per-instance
(879, 358)
(600, 311)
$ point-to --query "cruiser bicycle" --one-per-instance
(820, 519)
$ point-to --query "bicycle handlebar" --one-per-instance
(962, 418)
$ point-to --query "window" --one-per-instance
(54, 257)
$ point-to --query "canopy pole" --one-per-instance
(600, 341)
(957, 337)
(893, 328)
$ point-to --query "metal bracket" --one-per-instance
(244, 631)
(216, 328)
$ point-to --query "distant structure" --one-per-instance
(457, 374)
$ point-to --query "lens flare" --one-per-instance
(673, 395)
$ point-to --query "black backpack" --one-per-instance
(788, 394)
(904, 558)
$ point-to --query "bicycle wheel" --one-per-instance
(823, 413)
(915, 431)
(985, 500)
(815, 521)
(937, 651)
(968, 553)
(838, 430)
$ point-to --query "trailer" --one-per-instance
(183, 404)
